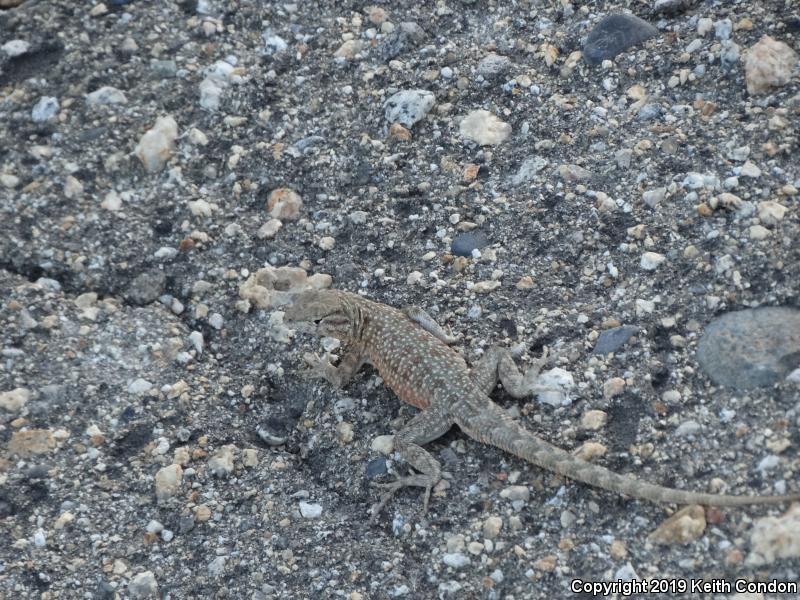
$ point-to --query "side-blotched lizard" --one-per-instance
(411, 353)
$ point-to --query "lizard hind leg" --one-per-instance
(425, 427)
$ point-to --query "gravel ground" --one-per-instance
(170, 170)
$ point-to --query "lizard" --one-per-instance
(412, 355)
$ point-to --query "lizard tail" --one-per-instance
(502, 431)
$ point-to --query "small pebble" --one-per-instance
(484, 128)
(45, 109)
(310, 511)
(408, 107)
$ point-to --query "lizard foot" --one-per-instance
(532, 374)
(424, 481)
(322, 367)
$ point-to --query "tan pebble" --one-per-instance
(63, 520)
(73, 188)
(768, 64)
(168, 481)
(704, 210)
(349, 50)
(613, 387)
(593, 420)
(730, 201)
(750, 169)
(588, 451)
(383, 444)
(516, 492)
(181, 456)
(759, 232)
(31, 442)
(156, 145)
(691, 251)
(618, 550)
(483, 127)
(483, 287)
(98, 10)
(119, 567)
(455, 543)
(376, 14)
(566, 544)
(685, 526)
(414, 278)
(491, 527)
(284, 203)
(735, 557)
(269, 229)
(250, 457)
(775, 538)
(399, 133)
(778, 446)
(525, 283)
(770, 212)
(548, 563)
(344, 431)
(460, 263)
(471, 172)
(327, 243)
(475, 548)
(637, 232)
(14, 400)
(202, 513)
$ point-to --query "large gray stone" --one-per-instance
(751, 348)
(615, 34)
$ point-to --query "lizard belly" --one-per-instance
(405, 387)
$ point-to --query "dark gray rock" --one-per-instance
(407, 36)
(751, 348)
(615, 34)
(613, 339)
(672, 7)
(376, 468)
(146, 288)
(465, 243)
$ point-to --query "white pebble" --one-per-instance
(196, 338)
(45, 109)
(139, 386)
(456, 560)
(650, 261)
(15, 47)
(310, 511)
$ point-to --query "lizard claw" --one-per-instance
(319, 366)
(424, 481)
(323, 368)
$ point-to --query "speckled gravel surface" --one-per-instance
(161, 161)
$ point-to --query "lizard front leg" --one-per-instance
(338, 375)
(424, 320)
(424, 427)
(498, 364)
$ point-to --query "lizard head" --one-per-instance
(331, 311)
